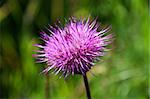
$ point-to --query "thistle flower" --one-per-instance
(73, 49)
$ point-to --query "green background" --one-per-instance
(122, 75)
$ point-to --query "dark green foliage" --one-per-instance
(122, 75)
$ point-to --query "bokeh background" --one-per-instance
(122, 75)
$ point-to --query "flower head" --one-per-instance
(73, 49)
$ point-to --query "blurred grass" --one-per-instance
(122, 75)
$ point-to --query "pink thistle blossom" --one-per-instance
(73, 49)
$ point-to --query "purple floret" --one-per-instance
(73, 49)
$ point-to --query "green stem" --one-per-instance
(87, 87)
